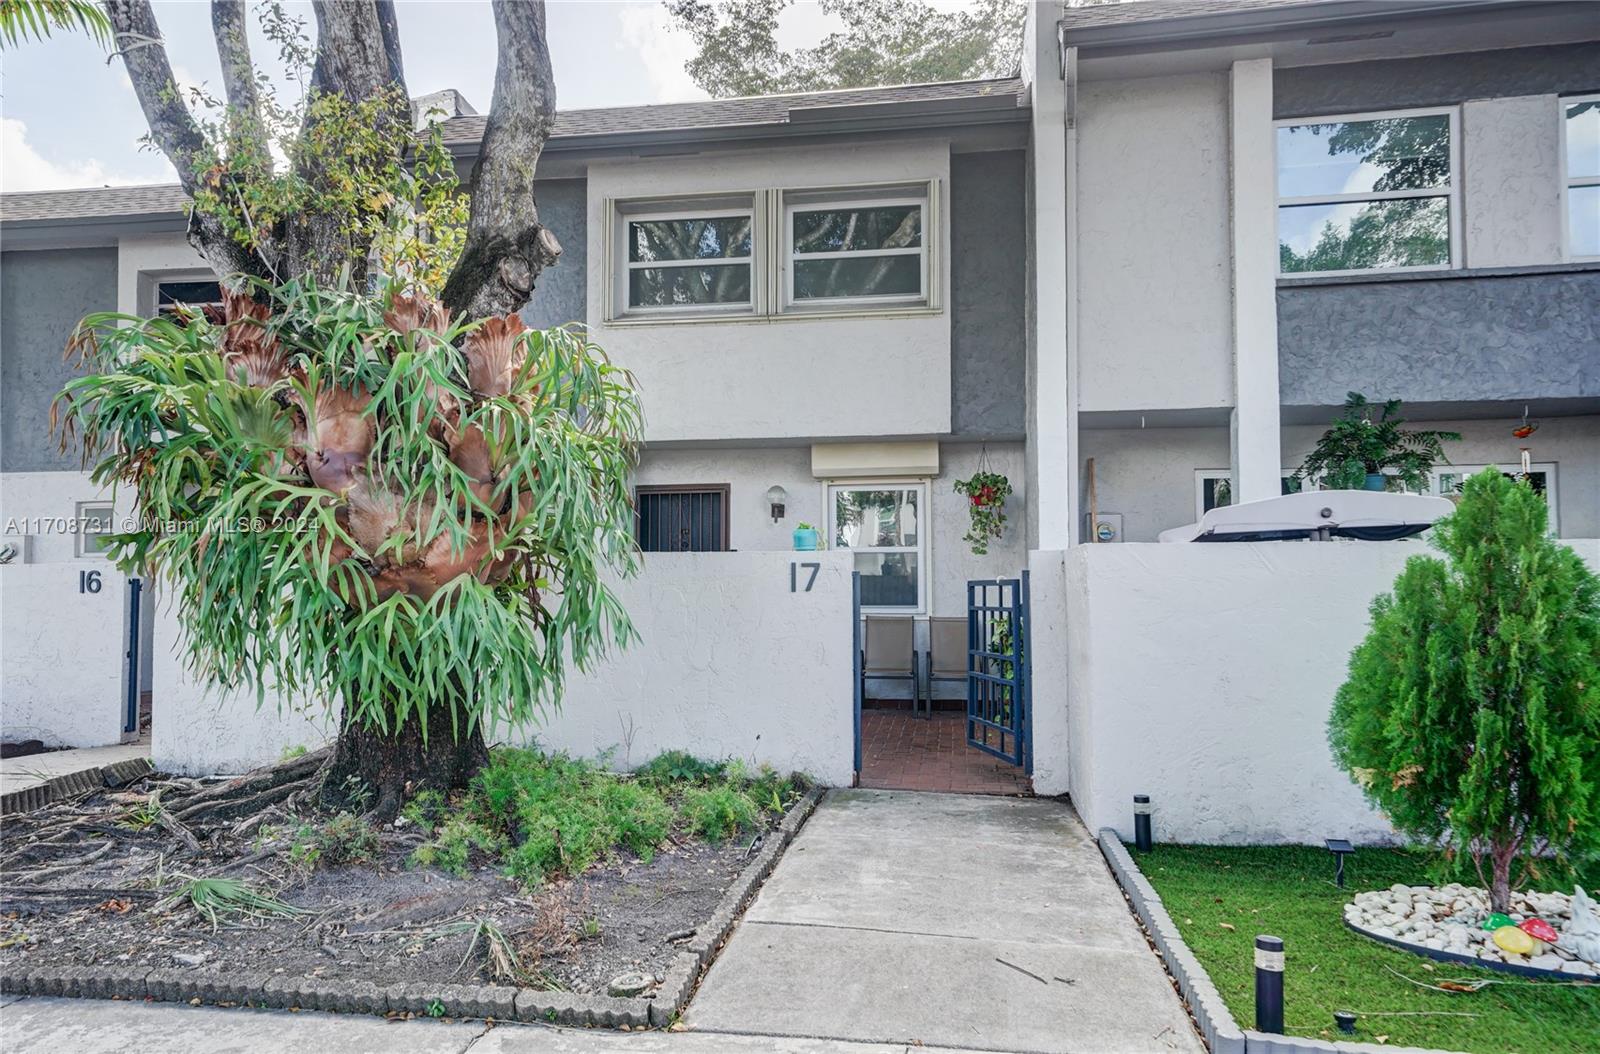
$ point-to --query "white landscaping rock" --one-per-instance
(1448, 918)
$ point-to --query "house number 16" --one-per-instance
(88, 581)
(794, 577)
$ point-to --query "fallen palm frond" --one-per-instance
(215, 898)
(1469, 985)
(500, 958)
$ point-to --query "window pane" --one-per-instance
(864, 276)
(704, 238)
(1583, 220)
(848, 230)
(170, 295)
(669, 286)
(1356, 157)
(1410, 232)
(888, 579)
(1583, 138)
(864, 518)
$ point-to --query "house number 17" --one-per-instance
(794, 577)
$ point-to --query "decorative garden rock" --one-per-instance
(630, 984)
(1450, 920)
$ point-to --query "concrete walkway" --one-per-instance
(947, 920)
(36, 769)
(91, 1026)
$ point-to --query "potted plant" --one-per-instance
(806, 538)
(986, 492)
(1353, 454)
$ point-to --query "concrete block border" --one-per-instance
(1222, 1033)
(501, 1003)
(116, 774)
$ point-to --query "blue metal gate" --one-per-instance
(998, 697)
(130, 716)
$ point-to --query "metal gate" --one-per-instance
(130, 714)
(998, 697)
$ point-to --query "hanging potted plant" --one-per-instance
(1353, 454)
(986, 493)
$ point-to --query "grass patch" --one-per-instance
(544, 815)
(1288, 891)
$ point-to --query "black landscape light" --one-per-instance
(1269, 984)
(1346, 1020)
(1340, 848)
(1141, 822)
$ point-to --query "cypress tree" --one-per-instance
(1471, 716)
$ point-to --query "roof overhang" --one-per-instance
(1322, 31)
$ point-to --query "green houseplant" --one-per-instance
(1353, 453)
(986, 493)
(1471, 715)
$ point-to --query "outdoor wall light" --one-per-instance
(1340, 848)
(776, 497)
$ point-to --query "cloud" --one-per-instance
(661, 50)
(24, 168)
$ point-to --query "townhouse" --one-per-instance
(1137, 279)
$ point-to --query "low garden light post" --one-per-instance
(1346, 1021)
(1269, 984)
(1340, 848)
(1141, 822)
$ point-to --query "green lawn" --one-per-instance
(1288, 891)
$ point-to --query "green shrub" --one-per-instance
(640, 816)
(425, 810)
(678, 766)
(1471, 715)
(453, 843)
(342, 839)
(716, 812)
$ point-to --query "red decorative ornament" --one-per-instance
(1539, 929)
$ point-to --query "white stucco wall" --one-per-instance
(1050, 666)
(730, 664)
(1511, 181)
(197, 729)
(62, 651)
(1155, 293)
(62, 664)
(1147, 474)
(780, 376)
(1202, 675)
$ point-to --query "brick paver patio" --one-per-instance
(902, 752)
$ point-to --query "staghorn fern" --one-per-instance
(356, 497)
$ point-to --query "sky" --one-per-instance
(68, 118)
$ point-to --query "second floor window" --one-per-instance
(1581, 144)
(849, 251)
(1367, 193)
(689, 260)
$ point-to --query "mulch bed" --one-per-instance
(78, 889)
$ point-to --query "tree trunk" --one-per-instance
(1500, 858)
(374, 772)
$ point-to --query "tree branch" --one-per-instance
(506, 246)
(172, 127)
(238, 77)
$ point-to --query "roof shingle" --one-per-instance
(753, 112)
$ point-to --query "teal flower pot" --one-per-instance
(805, 539)
(1376, 481)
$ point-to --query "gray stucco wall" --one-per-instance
(1526, 336)
(988, 283)
(43, 295)
(1434, 80)
(559, 296)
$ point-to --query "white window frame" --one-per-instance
(83, 510)
(622, 267)
(846, 201)
(1203, 474)
(1568, 182)
(924, 524)
(1551, 497)
(1453, 195)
